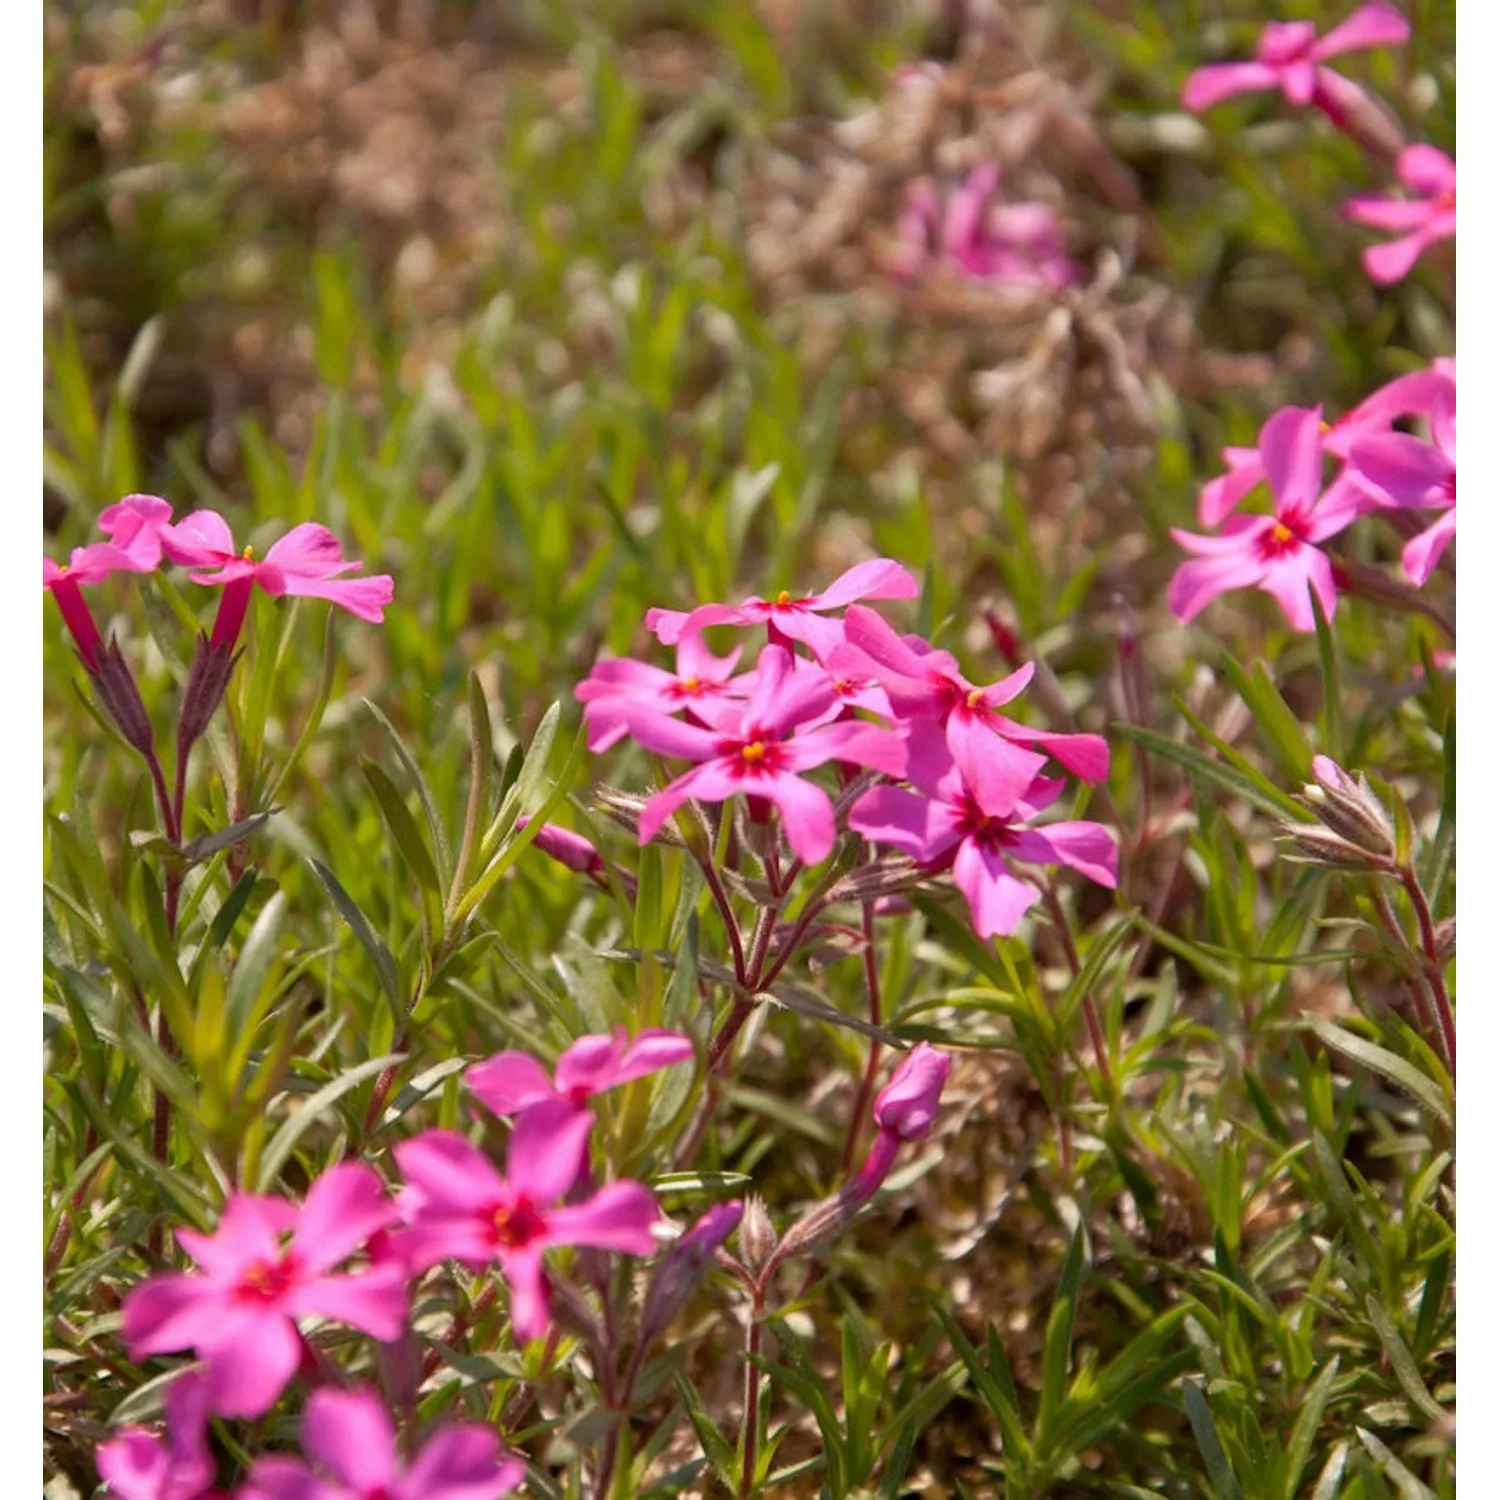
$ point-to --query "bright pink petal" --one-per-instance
(965, 214)
(671, 626)
(713, 781)
(344, 1207)
(364, 598)
(250, 1229)
(449, 1172)
(373, 1301)
(806, 814)
(1291, 448)
(879, 578)
(1391, 214)
(171, 1312)
(1222, 495)
(134, 526)
(135, 1466)
(694, 659)
(1299, 82)
(462, 1462)
(995, 772)
(997, 900)
(1349, 497)
(615, 675)
(1426, 170)
(510, 1081)
(1008, 687)
(1085, 755)
(619, 1216)
(530, 1306)
(908, 1104)
(1287, 580)
(250, 1361)
(850, 741)
(277, 1478)
(871, 634)
(350, 1433)
(1420, 555)
(595, 1063)
(200, 540)
(1409, 471)
(1387, 264)
(668, 736)
(309, 551)
(548, 1147)
(1372, 25)
(1212, 85)
(1088, 848)
(1198, 583)
(892, 815)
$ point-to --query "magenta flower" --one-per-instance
(307, 561)
(1020, 243)
(797, 619)
(905, 1110)
(754, 749)
(1423, 220)
(965, 813)
(134, 526)
(926, 685)
(239, 1312)
(138, 1465)
(458, 1206)
(1408, 472)
(350, 1439)
(617, 682)
(509, 1082)
(1290, 56)
(1277, 553)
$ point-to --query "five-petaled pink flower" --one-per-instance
(1406, 471)
(457, 1205)
(1290, 56)
(239, 1311)
(1018, 243)
(753, 749)
(905, 1110)
(619, 681)
(795, 618)
(138, 1465)
(350, 1439)
(926, 684)
(509, 1082)
(1279, 552)
(1423, 220)
(307, 561)
(966, 813)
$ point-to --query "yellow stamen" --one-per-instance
(690, 684)
(973, 699)
(248, 553)
(1281, 535)
(784, 598)
(753, 753)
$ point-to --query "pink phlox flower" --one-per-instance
(905, 1110)
(923, 683)
(1412, 395)
(759, 748)
(853, 688)
(240, 1310)
(509, 1082)
(795, 618)
(619, 681)
(138, 1465)
(1290, 55)
(964, 812)
(1277, 553)
(458, 1206)
(1408, 472)
(134, 526)
(1426, 218)
(350, 1439)
(307, 561)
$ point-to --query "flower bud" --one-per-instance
(907, 1105)
(757, 1236)
(122, 699)
(204, 690)
(683, 1267)
(566, 847)
(1346, 805)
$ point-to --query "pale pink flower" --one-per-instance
(619, 682)
(240, 1310)
(1405, 471)
(1277, 553)
(1419, 221)
(509, 1082)
(795, 618)
(307, 561)
(350, 1439)
(1290, 57)
(758, 748)
(925, 684)
(458, 1206)
(1018, 243)
(967, 814)
(138, 1465)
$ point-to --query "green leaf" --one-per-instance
(1408, 1486)
(1226, 1486)
(419, 782)
(402, 826)
(380, 955)
(1404, 1366)
(1249, 786)
(1333, 681)
(311, 1110)
(715, 1445)
(257, 954)
(1281, 727)
(1057, 1344)
(999, 1393)
(1397, 1070)
(1305, 1433)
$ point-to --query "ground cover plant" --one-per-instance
(749, 743)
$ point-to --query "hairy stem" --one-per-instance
(1433, 966)
(752, 1394)
(872, 1066)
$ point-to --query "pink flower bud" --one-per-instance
(907, 1105)
(566, 847)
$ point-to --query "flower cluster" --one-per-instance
(1382, 470)
(1015, 244)
(850, 690)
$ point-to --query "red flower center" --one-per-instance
(515, 1225)
(989, 832)
(267, 1281)
(758, 754)
(1281, 538)
(686, 687)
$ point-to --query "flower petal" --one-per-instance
(449, 1172)
(1420, 555)
(509, 1081)
(461, 1462)
(548, 1147)
(1089, 848)
(374, 1301)
(1373, 25)
(878, 578)
(350, 1433)
(997, 900)
(250, 1361)
(1206, 87)
(1291, 448)
(892, 815)
(620, 1216)
(344, 1207)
